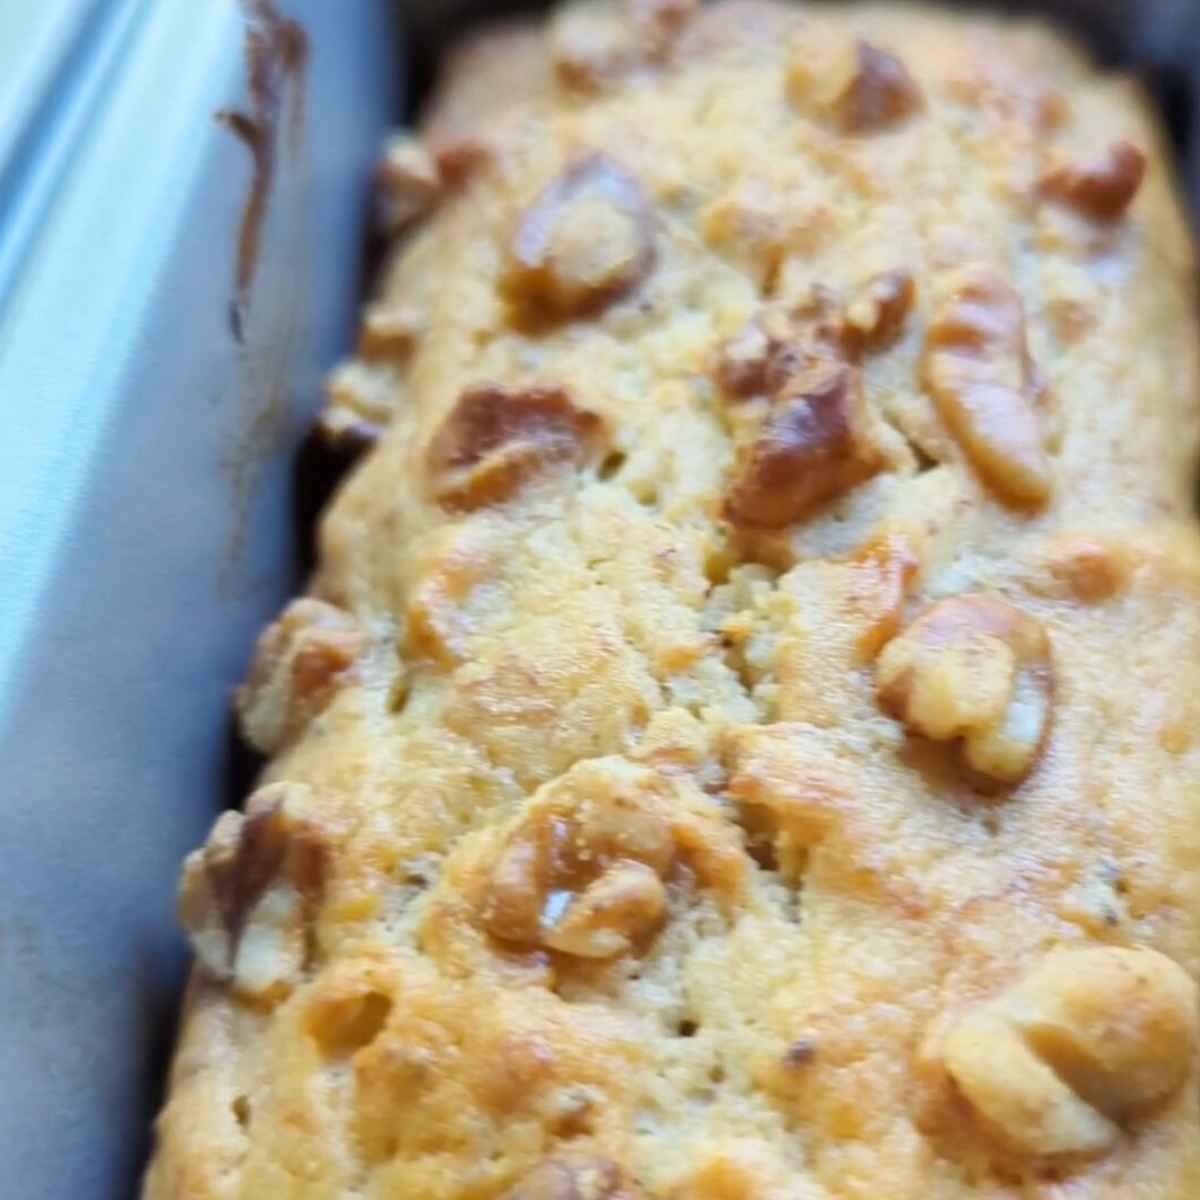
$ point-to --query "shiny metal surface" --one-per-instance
(145, 507)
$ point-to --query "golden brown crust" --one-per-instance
(741, 739)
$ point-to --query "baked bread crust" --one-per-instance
(741, 740)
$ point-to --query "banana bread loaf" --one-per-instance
(742, 738)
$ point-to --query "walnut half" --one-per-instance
(584, 243)
(584, 872)
(815, 444)
(496, 438)
(853, 85)
(409, 183)
(978, 370)
(875, 316)
(301, 660)
(1102, 189)
(1087, 1041)
(247, 898)
(977, 668)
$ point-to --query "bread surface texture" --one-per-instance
(742, 738)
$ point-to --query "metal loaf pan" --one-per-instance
(148, 483)
(145, 499)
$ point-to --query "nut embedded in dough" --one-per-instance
(1102, 188)
(390, 332)
(978, 370)
(591, 45)
(584, 243)
(875, 316)
(610, 914)
(977, 668)
(301, 660)
(496, 438)
(1088, 1040)
(409, 182)
(362, 395)
(246, 897)
(584, 871)
(815, 444)
(741, 362)
(854, 85)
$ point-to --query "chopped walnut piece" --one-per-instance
(1101, 189)
(584, 243)
(611, 913)
(595, 45)
(741, 361)
(583, 871)
(461, 156)
(880, 578)
(496, 438)
(877, 313)
(978, 369)
(1089, 1039)
(973, 667)
(362, 396)
(855, 86)
(302, 658)
(880, 93)
(592, 45)
(575, 1179)
(454, 560)
(815, 444)
(389, 332)
(246, 899)
(409, 182)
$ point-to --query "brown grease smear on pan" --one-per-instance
(276, 56)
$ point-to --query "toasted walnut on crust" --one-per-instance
(453, 563)
(585, 241)
(771, 349)
(816, 443)
(361, 398)
(409, 182)
(301, 660)
(855, 86)
(880, 578)
(575, 1179)
(594, 46)
(876, 314)
(390, 332)
(585, 870)
(741, 362)
(1101, 189)
(1089, 1040)
(496, 439)
(978, 369)
(973, 667)
(246, 899)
